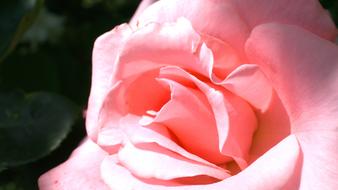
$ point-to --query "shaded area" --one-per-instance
(54, 56)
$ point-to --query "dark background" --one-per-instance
(52, 55)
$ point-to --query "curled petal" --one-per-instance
(250, 83)
(235, 121)
(198, 137)
(130, 130)
(156, 45)
(105, 55)
(152, 161)
(277, 169)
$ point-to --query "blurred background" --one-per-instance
(45, 73)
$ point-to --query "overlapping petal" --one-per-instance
(308, 14)
(186, 105)
(131, 130)
(105, 55)
(309, 94)
(273, 126)
(248, 82)
(285, 157)
(218, 18)
(234, 119)
(152, 161)
(232, 21)
(156, 45)
(303, 70)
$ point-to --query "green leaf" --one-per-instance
(16, 16)
(10, 186)
(32, 125)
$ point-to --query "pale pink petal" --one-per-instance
(118, 177)
(250, 83)
(232, 20)
(224, 57)
(310, 94)
(156, 45)
(320, 156)
(112, 109)
(279, 168)
(80, 171)
(317, 19)
(242, 125)
(303, 70)
(105, 55)
(152, 161)
(130, 130)
(234, 119)
(111, 117)
(215, 18)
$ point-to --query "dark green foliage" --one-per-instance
(48, 49)
(16, 16)
(32, 125)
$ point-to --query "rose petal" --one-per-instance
(273, 127)
(80, 171)
(310, 94)
(156, 45)
(277, 169)
(225, 58)
(187, 105)
(126, 97)
(152, 161)
(250, 83)
(235, 120)
(303, 70)
(320, 152)
(111, 118)
(132, 131)
(232, 21)
(118, 177)
(317, 19)
(218, 18)
(143, 93)
(105, 53)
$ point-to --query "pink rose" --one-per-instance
(211, 94)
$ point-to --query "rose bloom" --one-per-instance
(211, 94)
